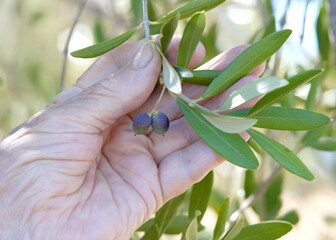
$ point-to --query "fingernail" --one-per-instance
(144, 56)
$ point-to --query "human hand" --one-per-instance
(75, 170)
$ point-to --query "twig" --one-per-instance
(304, 21)
(253, 197)
(145, 19)
(159, 100)
(193, 103)
(284, 16)
(66, 48)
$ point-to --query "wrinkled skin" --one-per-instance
(75, 170)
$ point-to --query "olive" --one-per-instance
(141, 123)
(160, 122)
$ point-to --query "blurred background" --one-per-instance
(33, 35)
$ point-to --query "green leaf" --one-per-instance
(98, 31)
(273, 198)
(252, 90)
(291, 119)
(191, 36)
(230, 124)
(230, 146)
(282, 155)
(314, 86)
(136, 11)
(235, 229)
(190, 8)
(178, 225)
(165, 214)
(250, 183)
(223, 216)
(291, 217)
(200, 195)
(152, 233)
(246, 62)
(103, 47)
(200, 77)
(168, 31)
(269, 230)
(329, 145)
(170, 77)
(294, 82)
(191, 232)
(322, 32)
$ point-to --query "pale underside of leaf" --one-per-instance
(230, 124)
(252, 90)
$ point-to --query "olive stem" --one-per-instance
(159, 100)
(145, 17)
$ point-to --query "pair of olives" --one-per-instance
(158, 120)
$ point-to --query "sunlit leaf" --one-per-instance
(230, 124)
(170, 77)
(269, 230)
(200, 195)
(291, 119)
(223, 216)
(191, 36)
(246, 62)
(103, 47)
(191, 232)
(282, 155)
(190, 8)
(230, 146)
(168, 31)
(252, 90)
(235, 229)
(294, 82)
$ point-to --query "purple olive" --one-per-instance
(141, 123)
(160, 122)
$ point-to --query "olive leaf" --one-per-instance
(290, 119)
(170, 77)
(269, 230)
(230, 124)
(223, 216)
(252, 90)
(286, 158)
(191, 36)
(246, 62)
(103, 47)
(235, 229)
(200, 77)
(191, 232)
(190, 8)
(232, 147)
(168, 31)
(294, 82)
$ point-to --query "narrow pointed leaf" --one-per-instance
(200, 77)
(200, 195)
(286, 158)
(272, 198)
(168, 31)
(165, 214)
(329, 145)
(223, 216)
(235, 229)
(178, 225)
(294, 82)
(269, 230)
(290, 119)
(191, 36)
(170, 77)
(252, 90)
(191, 232)
(246, 62)
(230, 124)
(190, 8)
(103, 47)
(230, 146)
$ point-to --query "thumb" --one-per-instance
(100, 105)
